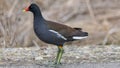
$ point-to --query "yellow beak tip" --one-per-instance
(24, 10)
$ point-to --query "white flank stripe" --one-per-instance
(58, 34)
(77, 37)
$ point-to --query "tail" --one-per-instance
(81, 36)
(77, 34)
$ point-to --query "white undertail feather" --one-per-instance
(77, 37)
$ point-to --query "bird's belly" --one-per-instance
(50, 38)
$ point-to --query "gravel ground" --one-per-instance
(72, 54)
(84, 65)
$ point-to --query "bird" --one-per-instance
(53, 32)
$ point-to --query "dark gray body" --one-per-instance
(43, 33)
(61, 33)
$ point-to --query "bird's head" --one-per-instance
(33, 7)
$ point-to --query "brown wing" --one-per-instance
(64, 30)
(78, 29)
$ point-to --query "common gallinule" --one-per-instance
(52, 32)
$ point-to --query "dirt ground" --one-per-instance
(77, 65)
(100, 55)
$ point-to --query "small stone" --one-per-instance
(38, 58)
(77, 57)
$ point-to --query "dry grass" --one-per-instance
(100, 18)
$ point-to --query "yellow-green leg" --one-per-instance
(59, 54)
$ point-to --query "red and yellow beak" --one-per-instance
(26, 9)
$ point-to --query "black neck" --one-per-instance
(39, 21)
(38, 18)
(37, 14)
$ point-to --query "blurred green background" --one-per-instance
(100, 18)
